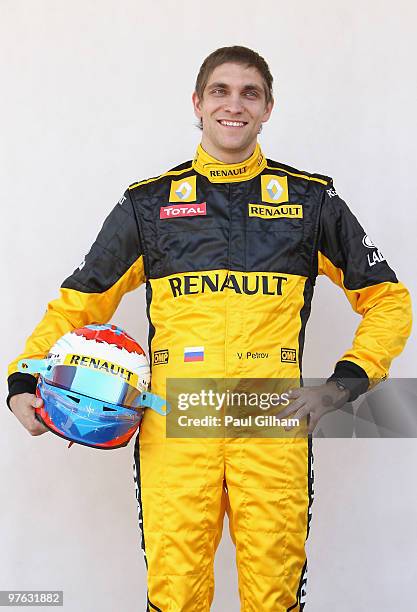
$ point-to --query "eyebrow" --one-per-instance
(225, 86)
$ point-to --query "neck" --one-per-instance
(226, 156)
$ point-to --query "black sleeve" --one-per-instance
(349, 257)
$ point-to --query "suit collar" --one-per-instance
(220, 172)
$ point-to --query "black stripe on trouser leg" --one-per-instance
(304, 316)
(136, 478)
(301, 591)
(151, 606)
(310, 481)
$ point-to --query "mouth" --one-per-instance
(232, 124)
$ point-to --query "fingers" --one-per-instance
(299, 415)
(35, 427)
(292, 407)
(37, 402)
(295, 393)
(296, 409)
(23, 407)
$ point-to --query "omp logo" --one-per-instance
(249, 285)
(183, 190)
(160, 357)
(184, 210)
(288, 355)
(274, 188)
(103, 365)
(275, 212)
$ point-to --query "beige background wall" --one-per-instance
(96, 95)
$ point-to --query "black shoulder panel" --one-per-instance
(115, 249)
(291, 170)
(345, 243)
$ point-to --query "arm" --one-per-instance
(348, 257)
(112, 267)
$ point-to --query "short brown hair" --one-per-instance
(238, 55)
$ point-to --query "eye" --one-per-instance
(251, 94)
(218, 90)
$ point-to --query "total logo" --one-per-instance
(376, 256)
(182, 210)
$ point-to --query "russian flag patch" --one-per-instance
(194, 353)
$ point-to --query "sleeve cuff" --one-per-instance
(354, 378)
(20, 383)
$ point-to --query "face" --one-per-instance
(233, 107)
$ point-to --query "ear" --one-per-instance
(268, 110)
(197, 105)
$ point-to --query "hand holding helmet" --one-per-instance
(23, 407)
(93, 384)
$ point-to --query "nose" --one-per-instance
(233, 104)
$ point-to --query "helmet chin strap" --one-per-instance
(34, 366)
(150, 400)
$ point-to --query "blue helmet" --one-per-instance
(94, 386)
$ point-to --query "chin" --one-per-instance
(236, 146)
(233, 143)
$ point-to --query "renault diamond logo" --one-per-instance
(274, 189)
(184, 190)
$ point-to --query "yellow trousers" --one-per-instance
(184, 487)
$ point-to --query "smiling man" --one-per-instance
(232, 106)
(229, 245)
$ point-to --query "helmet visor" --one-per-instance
(101, 386)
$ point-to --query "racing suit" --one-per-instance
(229, 254)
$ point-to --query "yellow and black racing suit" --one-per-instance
(229, 254)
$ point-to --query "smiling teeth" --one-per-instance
(232, 123)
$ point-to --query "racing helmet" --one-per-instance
(94, 386)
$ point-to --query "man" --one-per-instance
(229, 245)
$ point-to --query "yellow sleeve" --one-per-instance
(386, 322)
(91, 294)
